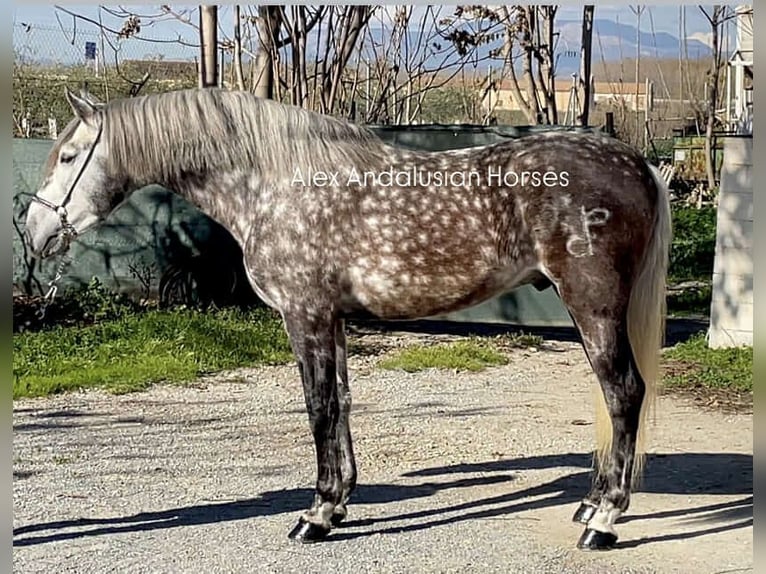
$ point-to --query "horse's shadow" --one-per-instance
(681, 474)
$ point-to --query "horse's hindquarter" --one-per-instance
(552, 203)
(602, 218)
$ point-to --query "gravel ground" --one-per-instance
(459, 472)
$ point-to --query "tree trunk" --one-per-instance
(208, 29)
(353, 22)
(267, 28)
(527, 68)
(545, 62)
(585, 63)
(638, 11)
(529, 105)
(238, 48)
(712, 95)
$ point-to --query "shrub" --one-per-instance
(693, 248)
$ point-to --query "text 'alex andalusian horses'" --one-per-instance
(333, 222)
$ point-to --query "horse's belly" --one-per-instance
(409, 295)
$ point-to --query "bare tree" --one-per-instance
(517, 30)
(411, 56)
(285, 67)
(267, 23)
(332, 59)
(544, 53)
(352, 20)
(638, 10)
(715, 18)
(238, 71)
(530, 28)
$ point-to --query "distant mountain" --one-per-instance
(619, 41)
(612, 41)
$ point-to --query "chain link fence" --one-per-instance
(48, 58)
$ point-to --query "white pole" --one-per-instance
(646, 115)
(740, 86)
(727, 98)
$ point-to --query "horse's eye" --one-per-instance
(67, 158)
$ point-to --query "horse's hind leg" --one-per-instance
(607, 345)
(347, 461)
(313, 342)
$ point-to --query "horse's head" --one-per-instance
(73, 194)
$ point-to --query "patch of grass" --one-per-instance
(469, 355)
(692, 364)
(132, 352)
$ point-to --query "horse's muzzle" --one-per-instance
(52, 245)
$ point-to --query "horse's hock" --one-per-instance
(731, 312)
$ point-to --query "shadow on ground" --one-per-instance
(681, 474)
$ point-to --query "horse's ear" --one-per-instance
(86, 95)
(83, 108)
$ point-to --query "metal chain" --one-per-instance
(53, 287)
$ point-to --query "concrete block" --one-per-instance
(738, 150)
(731, 315)
(728, 286)
(727, 338)
(737, 206)
(734, 234)
(733, 260)
(736, 179)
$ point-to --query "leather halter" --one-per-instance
(69, 231)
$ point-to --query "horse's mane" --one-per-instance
(193, 131)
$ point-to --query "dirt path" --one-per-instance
(458, 473)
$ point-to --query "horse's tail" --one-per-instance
(646, 325)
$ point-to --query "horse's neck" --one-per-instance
(223, 197)
(229, 196)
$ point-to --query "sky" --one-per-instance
(46, 23)
(665, 16)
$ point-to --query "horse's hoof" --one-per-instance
(584, 513)
(308, 532)
(595, 540)
(337, 519)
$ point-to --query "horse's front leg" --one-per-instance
(313, 342)
(590, 503)
(347, 461)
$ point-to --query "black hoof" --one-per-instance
(337, 519)
(584, 513)
(595, 540)
(307, 532)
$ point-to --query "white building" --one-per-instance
(731, 310)
(739, 75)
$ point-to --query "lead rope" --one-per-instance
(53, 287)
(52, 284)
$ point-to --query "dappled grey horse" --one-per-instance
(334, 223)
